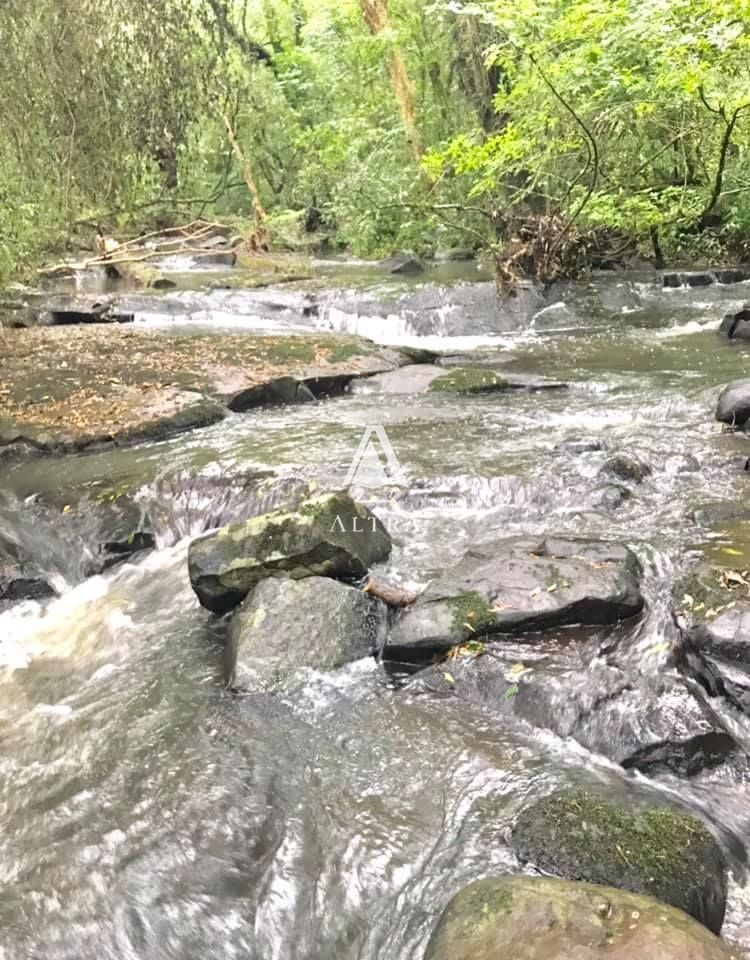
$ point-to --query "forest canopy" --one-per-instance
(376, 125)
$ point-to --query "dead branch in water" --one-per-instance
(389, 592)
(188, 237)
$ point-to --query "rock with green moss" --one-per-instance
(659, 851)
(540, 918)
(517, 586)
(326, 536)
(473, 380)
(287, 626)
(469, 380)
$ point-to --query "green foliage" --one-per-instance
(630, 116)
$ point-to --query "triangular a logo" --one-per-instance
(375, 463)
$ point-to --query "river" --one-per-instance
(149, 814)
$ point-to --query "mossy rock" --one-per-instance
(326, 536)
(540, 918)
(469, 380)
(659, 851)
(519, 585)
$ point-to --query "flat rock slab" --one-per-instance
(285, 626)
(128, 414)
(66, 388)
(541, 918)
(517, 586)
(423, 378)
(328, 536)
(64, 309)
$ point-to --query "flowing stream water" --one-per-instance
(147, 813)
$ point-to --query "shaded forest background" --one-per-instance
(571, 129)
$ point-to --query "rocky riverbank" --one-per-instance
(67, 388)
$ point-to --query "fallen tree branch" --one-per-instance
(388, 592)
(106, 260)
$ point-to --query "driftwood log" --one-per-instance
(389, 592)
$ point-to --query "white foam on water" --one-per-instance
(686, 329)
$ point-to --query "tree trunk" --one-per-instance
(259, 239)
(480, 82)
(376, 17)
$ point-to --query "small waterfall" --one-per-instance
(183, 504)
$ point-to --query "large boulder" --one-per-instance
(659, 851)
(328, 536)
(733, 406)
(736, 323)
(518, 586)
(535, 918)
(284, 626)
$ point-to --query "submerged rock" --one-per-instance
(652, 725)
(610, 496)
(659, 851)
(469, 380)
(402, 264)
(693, 278)
(20, 581)
(329, 536)
(421, 378)
(454, 254)
(627, 466)
(46, 545)
(286, 625)
(556, 317)
(733, 406)
(410, 379)
(727, 634)
(463, 309)
(581, 445)
(520, 585)
(540, 918)
(717, 654)
(736, 323)
(481, 380)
